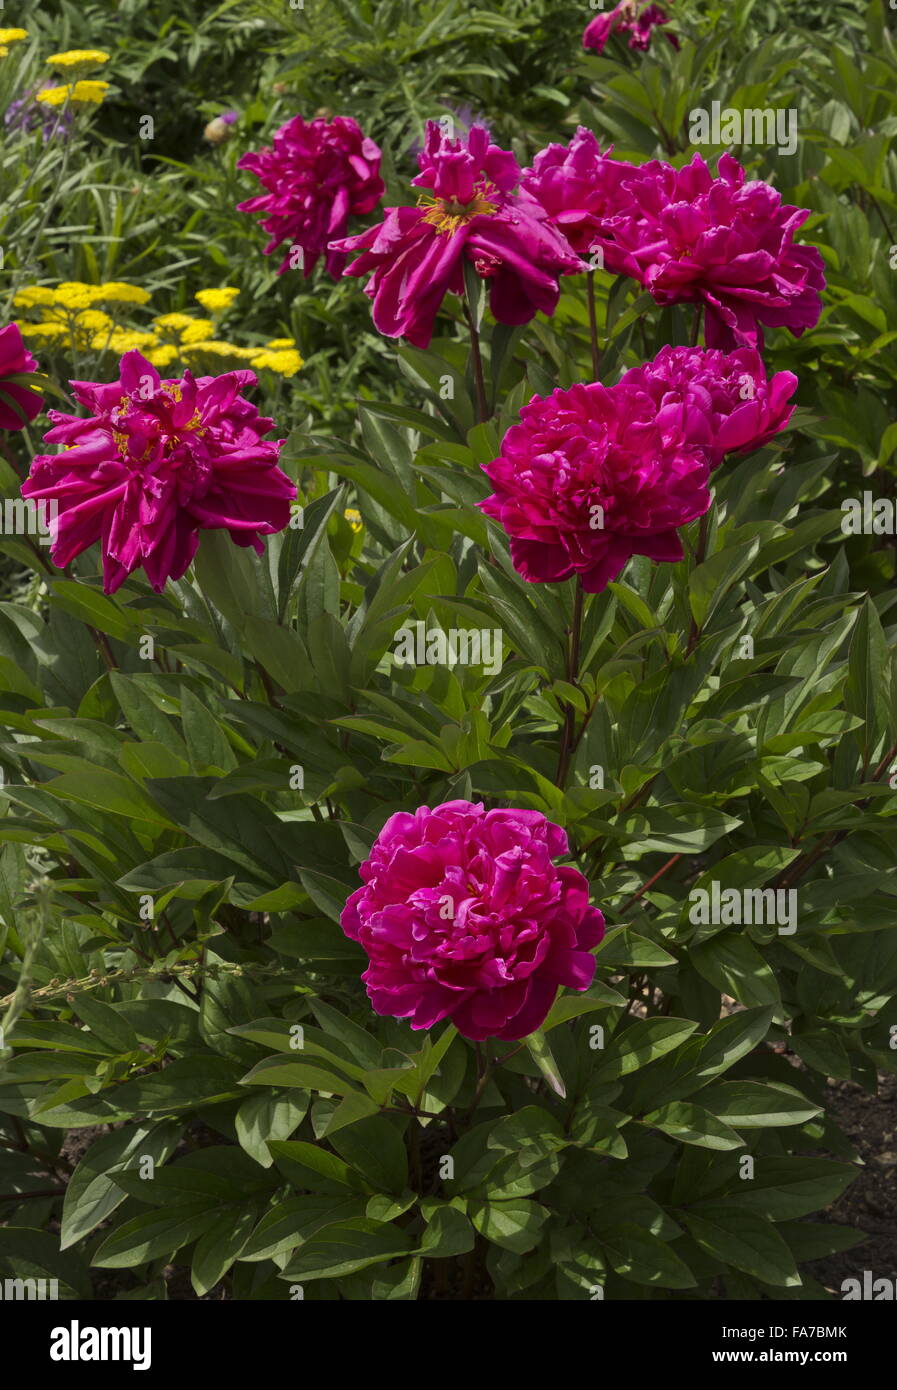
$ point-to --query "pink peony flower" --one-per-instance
(590, 477)
(464, 916)
(155, 463)
(586, 196)
(470, 210)
(726, 244)
(721, 402)
(317, 174)
(16, 360)
(629, 17)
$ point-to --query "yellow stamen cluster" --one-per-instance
(448, 216)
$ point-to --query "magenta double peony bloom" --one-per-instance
(18, 404)
(726, 244)
(155, 463)
(317, 174)
(632, 17)
(464, 916)
(590, 477)
(585, 193)
(470, 210)
(718, 401)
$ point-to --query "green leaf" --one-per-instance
(316, 1075)
(227, 576)
(745, 1241)
(691, 1124)
(26, 1253)
(643, 1258)
(107, 1022)
(310, 1165)
(347, 1246)
(92, 1194)
(734, 966)
(181, 1085)
(154, 1234)
(375, 1148)
(220, 1245)
(107, 791)
(448, 1233)
(642, 1042)
(866, 691)
(293, 1220)
(265, 1117)
(757, 1104)
(622, 946)
(787, 1187)
(541, 1054)
(93, 608)
(207, 745)
(515, 1225)
(729, 1041)
(569, 1006)
(822, 1049)
(144, 717)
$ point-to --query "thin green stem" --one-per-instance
(573, 653)
(593, 326)
(479, 379)
(700, 554)
(37, 921)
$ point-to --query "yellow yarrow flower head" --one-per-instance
(47, 329)
(216, 301)
(79, 58)
(94, 318)
(32, 295)
(216, 348)
(72, 294)
(276, 343)
(286, 363)
(12, 35)
(175, 322)
(83, 92)
(163, 356)
(125, 340)
(197, 330)
(118, 292)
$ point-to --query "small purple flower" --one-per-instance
(28, 115)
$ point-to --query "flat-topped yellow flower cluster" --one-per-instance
(70, 317)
